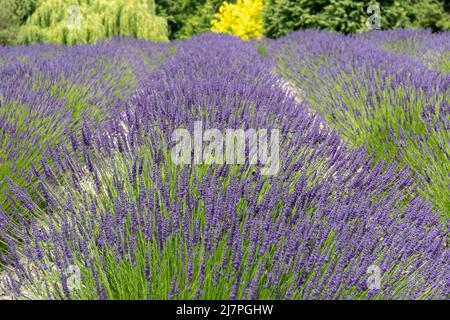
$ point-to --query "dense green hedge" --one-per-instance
(283, 16)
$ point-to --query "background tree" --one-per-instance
(86, 21)
(284, 16)
(14, 13)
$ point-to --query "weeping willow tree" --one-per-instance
(86, 21)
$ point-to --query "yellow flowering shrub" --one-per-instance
(243, 18)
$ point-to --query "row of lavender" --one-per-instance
(432, 49)
(47, 91)
(109, 201)
(396, 104)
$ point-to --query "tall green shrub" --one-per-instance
(86, 21)
(283, 16)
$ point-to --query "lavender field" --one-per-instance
(93, 204)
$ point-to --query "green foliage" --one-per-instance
(86, 21)
(103, 18)
(283, 16)
(262, 49)
(7, 34)
(12, 15)
(187, 17)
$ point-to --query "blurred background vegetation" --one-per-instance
(283, 16)
(25, 21)
(80, 21)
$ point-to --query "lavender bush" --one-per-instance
(430, 48)
(393, 104)
(114, 205)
